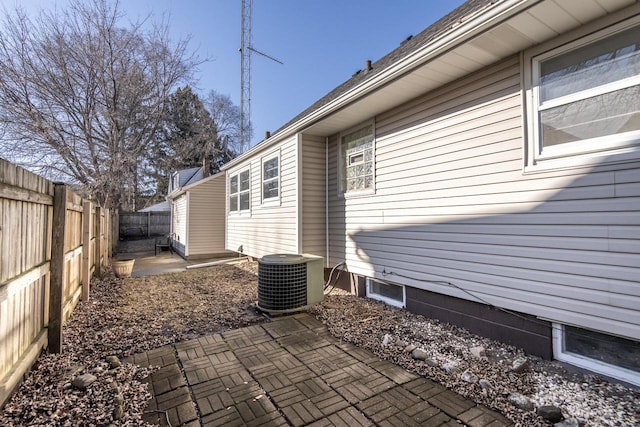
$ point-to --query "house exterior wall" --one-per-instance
(455, 212)
(271, 227)
(179, 224)
(207, 217)
(313, 195)
(336, 218)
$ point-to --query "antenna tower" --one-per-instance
(246, 48)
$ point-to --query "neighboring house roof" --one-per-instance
(158, 207)
(184, 177)
(191, 184)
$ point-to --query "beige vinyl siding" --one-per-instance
(179, 223)
(313, 195)
(271, 227)
(453, 204)
(207, 216)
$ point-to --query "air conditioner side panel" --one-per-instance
(315, 279)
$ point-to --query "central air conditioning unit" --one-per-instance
(289, 282)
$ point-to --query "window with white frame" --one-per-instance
(239, 194)
(357, 159)
(584, 96)
(389, 293)
(271, 178)
(607, 354)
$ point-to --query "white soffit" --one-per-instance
(540, 22)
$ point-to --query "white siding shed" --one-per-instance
(198, 218)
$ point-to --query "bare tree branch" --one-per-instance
(82, 96)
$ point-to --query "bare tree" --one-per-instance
(226, 116)
(81, 96)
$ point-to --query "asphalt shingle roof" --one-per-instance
(407, 47)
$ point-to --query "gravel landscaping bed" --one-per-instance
(88, 385)
(488, 372)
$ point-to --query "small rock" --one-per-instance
(520, 401)
(67, 386)
(479, 352)
(409, 348)
(520, 365)
(431, 362)
(469, 377)
(98, 370)
(550, 413)
(450, 367)
(400, 343)
(84, 381)
(569, 422)
(485, 384)
(386, 340)
(118, 412)
(419, 354)
(113, 361)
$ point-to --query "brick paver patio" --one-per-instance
(291, 371)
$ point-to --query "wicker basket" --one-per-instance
(122, 267)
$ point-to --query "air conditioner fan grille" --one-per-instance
(282, 286)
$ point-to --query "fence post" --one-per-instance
(99, 212)
(148, 224)
(86, 248)
(115, 230)
(57, 267)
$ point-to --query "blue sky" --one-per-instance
(322, 43)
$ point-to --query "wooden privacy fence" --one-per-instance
(51, 243)
(144, 224)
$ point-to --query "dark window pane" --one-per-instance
(233, 184)
(244, 201)
(390, 291)
(356, 158)
(233, 203)
(270, 169)
(606, 348)
(244, 180)
(270, 189)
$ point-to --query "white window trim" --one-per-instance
(387, 300)
(244, 212)
(619, 148)
(584, 362)
(271, 200)
(366, 191)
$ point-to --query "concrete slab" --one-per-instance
(149, 264)
(153, 265)
(292, 372)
